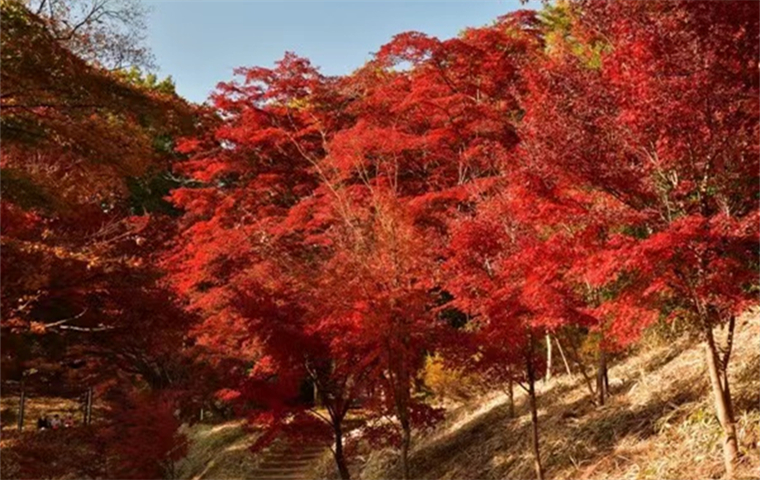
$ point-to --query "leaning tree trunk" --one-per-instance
(511, 396)
(601, 377)
(534, 418)
(340, 457)
(581, 367)
(548, 358)
(88, 407)
(718, 371)
(564, 359)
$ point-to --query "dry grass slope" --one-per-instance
(658, 424)
(218, 451)
(223, 451)
(40, 406)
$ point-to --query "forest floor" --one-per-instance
(657, 424)
(222, 451)
(36, 407)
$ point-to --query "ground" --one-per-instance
(39, 406)
(659, 423)
(223, 451)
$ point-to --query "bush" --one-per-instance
(447, 382)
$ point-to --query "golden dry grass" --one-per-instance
(218, 451)
(658, 424)
(37, 406)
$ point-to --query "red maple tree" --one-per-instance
(654, 105)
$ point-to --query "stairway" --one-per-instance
(288, 461)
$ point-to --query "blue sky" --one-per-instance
(199, 43)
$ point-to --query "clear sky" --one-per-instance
(199, 43)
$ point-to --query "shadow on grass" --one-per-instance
(598, 432)
(746, 386)
(663, 358)
(496, 446)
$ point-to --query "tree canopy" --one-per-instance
(588, 169)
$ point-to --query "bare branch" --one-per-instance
(66, 320)
(102, 328)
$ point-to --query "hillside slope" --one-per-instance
(659, 423)
(223, 451)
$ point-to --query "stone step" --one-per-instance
(285, 462)
(298, 450)
(282, 469)
(296, 455)
(257, 475)
(264, 477)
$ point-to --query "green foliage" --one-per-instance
(147, 194)
(148, 81)
(452, 316)
(673, 323)
(558, 20)
(23, 191)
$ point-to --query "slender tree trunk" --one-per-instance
(406, 441)
(340, 457)
(511, 397)
(606, 379)
(403, 393)
(564, 359)
(548, 358)
(717, 370)
(21, 407)
(577, 359)
(88, 408)
(601, 373)
(534, 418)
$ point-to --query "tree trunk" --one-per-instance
(534, 419)
(601, 374)
(511, 397)
(403, 399)
(577, 359)
(21, 407)
(548, 358)
(606, 379)
(340, 457)
(564, 359)
(88, 408)
(717, 370)
(406, 441)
